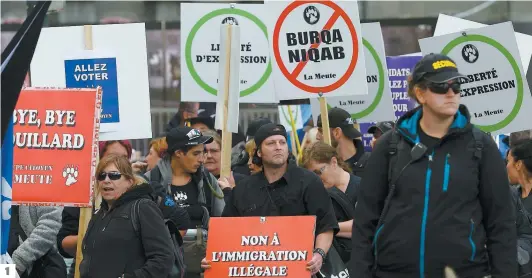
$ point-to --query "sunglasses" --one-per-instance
(112, 176)
(320, 171)
(443, 88)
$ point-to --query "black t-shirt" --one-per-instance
(427, 140)
(186, 196)
(343, 245)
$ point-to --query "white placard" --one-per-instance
(229, 75)
(449, 24)
(126, 43)
(200, 24)
(496, 93)
(284, 116)
(377, 105)
(316, 48)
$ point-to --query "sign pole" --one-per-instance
(227, 137)
(85, 214)
(324, 119)
(295, 137)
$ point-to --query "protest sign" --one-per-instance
(399, 68)
(94, 72)
(317, 48)
(495, 90)
(260, 247)
(449, 24)
(200, 24)
(284, 116)
(377, 104)
(117, 50)
(55, 146)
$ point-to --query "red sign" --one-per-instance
(260, 246)
(292, 76)
(55, 146)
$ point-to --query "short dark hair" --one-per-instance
(523, 152)
(519, 137)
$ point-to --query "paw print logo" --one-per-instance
(70, 173)
(470, 53)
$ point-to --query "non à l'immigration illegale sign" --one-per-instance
(495, 90)
(377, 105)
(200, 47)
(317, 48)
(277, 246)
(55, 134)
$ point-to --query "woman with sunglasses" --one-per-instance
(335, 174)
(436, 193)
(112, 247)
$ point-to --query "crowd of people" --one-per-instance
(433, 193)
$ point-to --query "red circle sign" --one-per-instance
(292, 76)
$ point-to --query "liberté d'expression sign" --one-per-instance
(200, 51)
(495, 89)
(316, 48)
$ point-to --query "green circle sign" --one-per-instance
(519, 101)
(380, 89)
(194, 31)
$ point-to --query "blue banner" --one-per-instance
(399, 68)
(7, 178)
(90, 73)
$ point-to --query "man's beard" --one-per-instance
(273, 164)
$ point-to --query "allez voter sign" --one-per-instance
(200, 47)
(117, 63)
(377, 105)
(316, 48)
(495, 91)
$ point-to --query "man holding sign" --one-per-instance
(283, 189)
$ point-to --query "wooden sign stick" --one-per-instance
(227, 136)
(85, 214)
(324, 112)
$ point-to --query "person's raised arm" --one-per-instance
(498, 212)
(370, 202)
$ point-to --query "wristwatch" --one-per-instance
(321, 252)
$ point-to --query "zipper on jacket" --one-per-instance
(424, 218)
(375, 240)
(446, 172)
(473, 246)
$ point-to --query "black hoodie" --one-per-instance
(449, 209)
(111, 247)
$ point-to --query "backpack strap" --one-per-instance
(342, 200)
(392, 153)
(478, 145)
(135, 210)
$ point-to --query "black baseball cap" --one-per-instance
(437, 68)
(255, 125)
(203, 118)
(268, 130)
(180, 137)
(382, 126)
(338, 117)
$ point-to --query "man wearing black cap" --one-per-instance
(346, 139)
(379, 129)
(284, 189)
(239, 160)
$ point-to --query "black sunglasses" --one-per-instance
(443, 88)
(112, 176)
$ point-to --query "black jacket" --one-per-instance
(112, 247)
(448, 209)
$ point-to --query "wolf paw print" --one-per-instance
(70, 173)
(470, 53)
